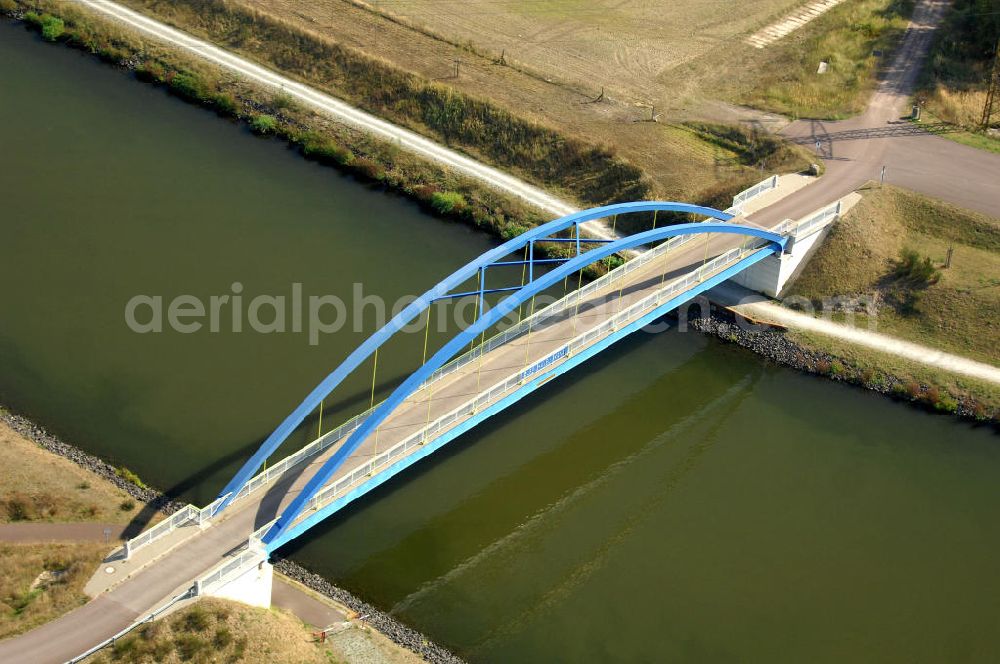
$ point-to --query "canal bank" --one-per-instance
(380, 165)
(677, 497)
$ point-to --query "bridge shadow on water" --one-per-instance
(495, 425)
(231, 461)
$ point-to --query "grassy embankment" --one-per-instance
(847, 38)
(953, 85)
(219, 631)
(890, 250)
(40, 486)
(39, 582)
(576, 168)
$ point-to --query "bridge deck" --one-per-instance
(196, 551)
(458, 388)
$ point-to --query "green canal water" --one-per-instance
(675, 500)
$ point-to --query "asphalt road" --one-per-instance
(61, 532)
(854, 150)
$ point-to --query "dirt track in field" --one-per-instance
(562, 63)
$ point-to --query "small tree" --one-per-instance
(264, 124)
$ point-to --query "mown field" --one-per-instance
(625, 47)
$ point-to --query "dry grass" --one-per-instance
(846, 38)
(38, 485)
(39, 582)
(627, 48)
(676, 163)
(865, 361)
(955, 81)
(216, 630)
(959, 313)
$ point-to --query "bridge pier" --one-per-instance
(771, 275)
(251, 586)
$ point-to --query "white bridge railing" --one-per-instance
(753, 192)
(187, 515)
(191, 515)
(381, 461)
(230, 568)
(809, 225)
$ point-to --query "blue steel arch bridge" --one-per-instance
(267, 505)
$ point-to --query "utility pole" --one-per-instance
(992, 91)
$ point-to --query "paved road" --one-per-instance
(288, 595)
(855, 150)
(61, 532)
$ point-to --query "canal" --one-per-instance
(675, 500)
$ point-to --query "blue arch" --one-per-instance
(418, 306)
(490, 318)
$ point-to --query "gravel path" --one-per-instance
(757, 307)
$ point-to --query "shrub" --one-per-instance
(932, 396)
(19, 507)
(917, 270)
(127, 505)
(368, 168)
(112, 54)
(8, 6)
(83, 486)
(263, 124)
(224, 104)
(190, 646)
(836, 368)
(322, 149)
(823, 367)
(129, 476)
(283, 100)
(912, 389)
(52, 27)
(189, 86)
(128, 648)
(152, 71)
(448, 202)
(196, 620)
(223, 637)
(946, 405)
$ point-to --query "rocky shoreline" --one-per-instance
(50, 442)
(774, 345)
(396, 631)
(399, 633)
